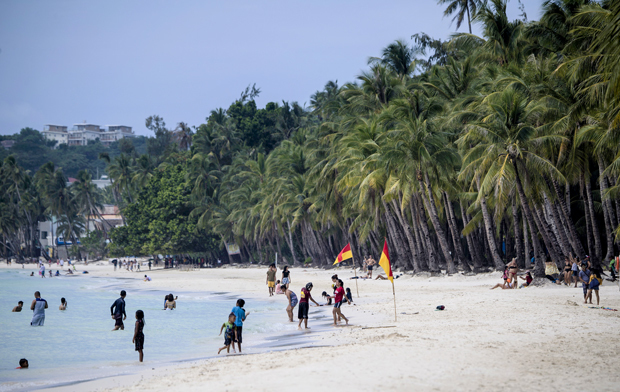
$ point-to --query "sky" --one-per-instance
(118, 62)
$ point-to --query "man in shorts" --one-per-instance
(304, 305)
(584, 277)
(371, 264)
(118, 312)
(271, 279)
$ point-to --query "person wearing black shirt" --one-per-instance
(118, 311)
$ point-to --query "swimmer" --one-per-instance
(23, 364)
(19, 307)
(63, 304)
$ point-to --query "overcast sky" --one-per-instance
(117, 62)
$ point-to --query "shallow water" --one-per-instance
(77, 344)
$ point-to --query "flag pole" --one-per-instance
(394, 294)
(355, 272)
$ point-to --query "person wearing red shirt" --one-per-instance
(339, 297)
(304, 305)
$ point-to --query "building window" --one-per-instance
(44, 235)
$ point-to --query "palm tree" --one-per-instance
(399, 57)
(461, 8)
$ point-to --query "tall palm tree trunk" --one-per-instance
(433, 264)
(573, 237)
(595, 232)
(290, 239)
(456, 237)
(557, 228)
(475, 256)
(517, 234)
(409, 235)
(608, 211)
(540, 265)
(429, 203)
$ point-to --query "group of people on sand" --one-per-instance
(305, 296)
(574, 271)
(38, 307)
(128, 265)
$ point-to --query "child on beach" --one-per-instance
(595, 282)
(292, 301)
(271, 279)
(230, 336)
(19, 307)
(278, 289)
(138, 335)
(240, 316)
(327, 297)
(349, 296)
(528, 280)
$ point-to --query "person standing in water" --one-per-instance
(118, 311)
(292, 301)
(63, 304)
(240, 316)
(138, 335)
(38, 307)
(304, 305)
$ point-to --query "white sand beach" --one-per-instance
(541, 338)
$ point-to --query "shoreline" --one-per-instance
(538, 337)
(255, 343)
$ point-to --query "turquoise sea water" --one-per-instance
(77, 344)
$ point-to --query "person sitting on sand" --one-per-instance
(349, 295)
(339, 297)
(278, 289)
(327, 297)
(383, 277)
(528, 280)
(19, 307)
(171, 302)
(63, 304)
(23, 364)
(147, 279)
(292, 301)
(504, 285)
(230, 335)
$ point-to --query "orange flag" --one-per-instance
(344, 254)
(384, 262)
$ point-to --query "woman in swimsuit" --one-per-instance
(512, 273)
(171, 302)
(292, 301)
(567, 272)
(63, 304)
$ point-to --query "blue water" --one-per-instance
(77, 344)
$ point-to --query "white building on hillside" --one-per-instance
(82, 133)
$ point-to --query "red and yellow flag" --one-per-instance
(384, 262)
(344, 254)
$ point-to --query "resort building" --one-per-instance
(82, 133)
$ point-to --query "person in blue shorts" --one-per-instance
(595, 282)
(584, 277)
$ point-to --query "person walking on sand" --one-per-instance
(286, 276)
(38, 307)
(304, 305)
(292, 301)
(138, 335)
(240, 316)
(118, 312)
(339, 298)
(271, 279)
(584, 277)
